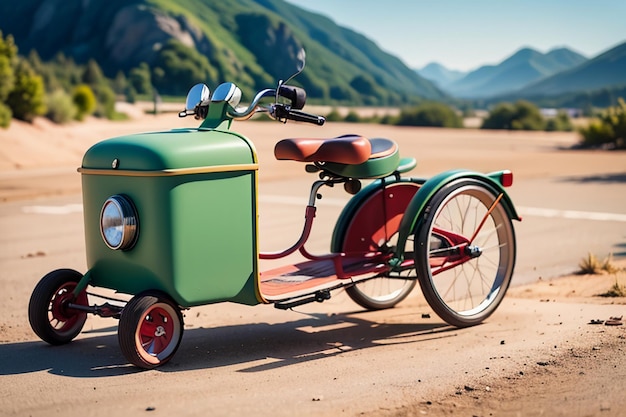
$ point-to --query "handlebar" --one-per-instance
(282, 112)
(254, 107)
(229, 94)
(278, 111)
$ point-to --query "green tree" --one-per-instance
(84, 100)
(177, 67)
(105, 101)
(46, 71)
(120, 83)
(27, 99)
(140, 80)
(364, 85)
(8, 57)
(92, 75)
(66, 72)
(430, 114)
(342, 93)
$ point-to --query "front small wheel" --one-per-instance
(49, 313)
(465, 252)
(150, 330)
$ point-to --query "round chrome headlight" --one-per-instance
(118, 223)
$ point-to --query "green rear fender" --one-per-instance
(416, 207)
(357, 201)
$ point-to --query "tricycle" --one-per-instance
(171, 220)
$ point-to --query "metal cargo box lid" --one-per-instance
(179, 149)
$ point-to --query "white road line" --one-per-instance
(338, 202)
(571, 214)
(66, 209)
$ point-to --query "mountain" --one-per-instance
(251, 42)
(603, 71)
(523, 67)
(439, 74)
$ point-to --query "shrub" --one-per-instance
(61, 108)
(84, 100)
(561, 122)
(7, 78)
(333, 116)
(616, 290)
(430, 114)
(520, 116)
(27, 99)
(8, 56)
(389, 119)
(352, 117)
(105, 101)
(5, 116)
(609, 129)
(527, 117)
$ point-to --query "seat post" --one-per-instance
(314, 189)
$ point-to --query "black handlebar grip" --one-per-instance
(300, 116)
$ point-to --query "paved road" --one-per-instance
(234, 358)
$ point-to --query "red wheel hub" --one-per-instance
(61, 316)
(156, 330)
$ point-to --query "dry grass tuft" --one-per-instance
(617, 290)
(592, 265)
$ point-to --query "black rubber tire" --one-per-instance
(470, 292)
(48, 314)
(141, 345)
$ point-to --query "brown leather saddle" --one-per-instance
(346, 149)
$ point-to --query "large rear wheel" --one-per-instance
(466, 252)
(374, 228)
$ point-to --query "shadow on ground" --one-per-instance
(612, 178)
(261, 346)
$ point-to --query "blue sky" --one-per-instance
(464, 35)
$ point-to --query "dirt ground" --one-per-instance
(588, 378)
(585, 379)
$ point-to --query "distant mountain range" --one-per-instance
(605, 70)
(440, 75)
(533, 75)
(254, 43)
(251, 42)
(522, 68)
